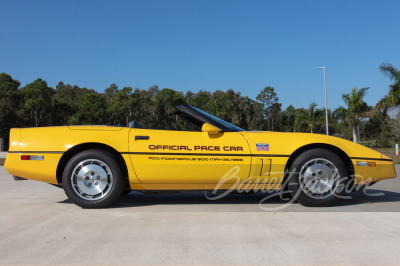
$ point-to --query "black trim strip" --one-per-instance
(204, 154)
(269, 155)
(372, 159)
(56, 152)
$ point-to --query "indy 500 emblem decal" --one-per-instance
(262, 146)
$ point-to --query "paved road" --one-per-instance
(38, 225)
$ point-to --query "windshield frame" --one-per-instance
(199, 117)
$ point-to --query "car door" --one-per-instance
(162, 156)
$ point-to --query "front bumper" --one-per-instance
(384, 169)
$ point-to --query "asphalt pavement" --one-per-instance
(39, 225)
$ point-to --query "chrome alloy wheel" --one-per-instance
(91, 179)
(319, 178)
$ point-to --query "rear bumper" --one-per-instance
(40, 170)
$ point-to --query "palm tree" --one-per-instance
(393, 97)
(356, 109)
(390, 71)
(310, 117)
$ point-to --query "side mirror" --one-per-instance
(210, 129)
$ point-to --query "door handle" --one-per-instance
(142, 137)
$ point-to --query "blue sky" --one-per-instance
(208, 45)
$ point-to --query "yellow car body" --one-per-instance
(157, 164)
(183, 160)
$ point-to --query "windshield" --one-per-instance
(216, 121)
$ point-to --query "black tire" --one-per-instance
(126, 192)
(318, 178)
(93, 179)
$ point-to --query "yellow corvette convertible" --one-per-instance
(96, 164)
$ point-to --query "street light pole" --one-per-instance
(326, 101)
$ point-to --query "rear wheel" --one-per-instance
(318, 177)
(93, 179)
(126, 191)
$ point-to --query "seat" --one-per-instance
(134, 124)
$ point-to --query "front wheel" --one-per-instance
(93, 179)
(317, 178)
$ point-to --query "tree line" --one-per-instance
(37, 104)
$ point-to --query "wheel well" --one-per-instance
(86, 146)
(342, 155)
